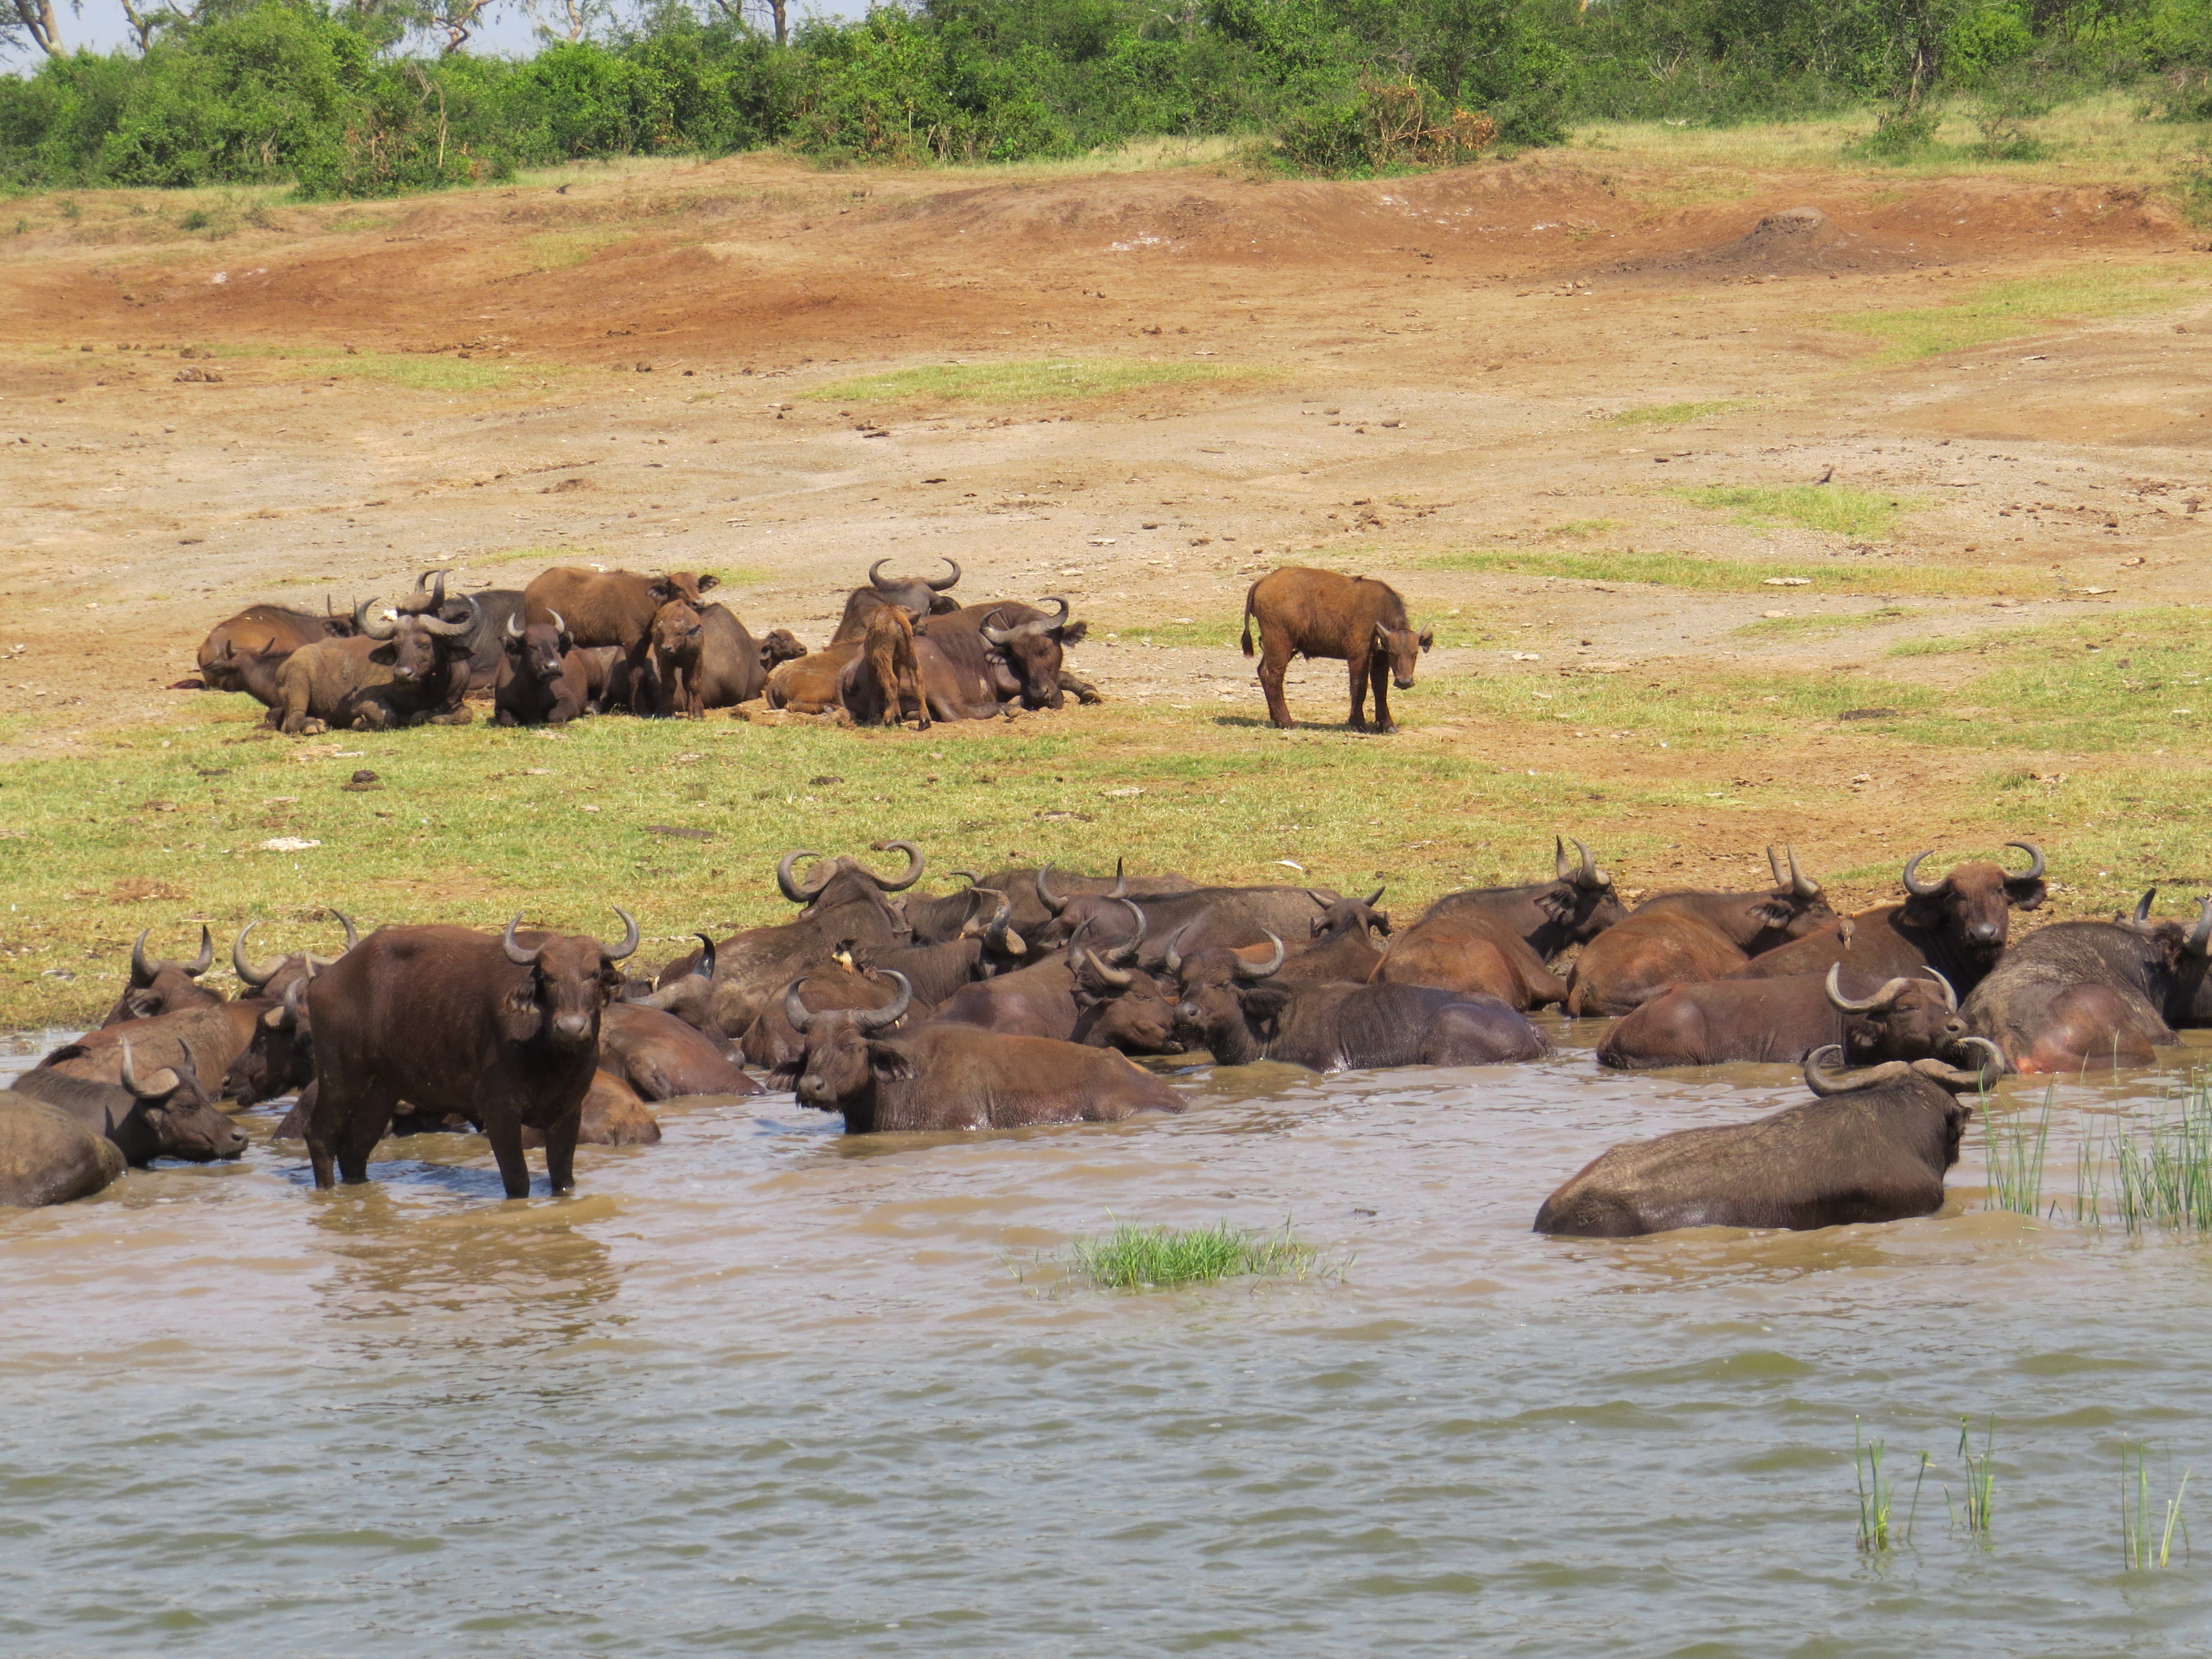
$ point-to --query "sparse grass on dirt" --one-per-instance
(1022, 382)
(1861, 515)
(1675, 414)
(1824, 625)
(1715, 575)
(2024, 307)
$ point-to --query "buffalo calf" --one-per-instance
(1317, 613)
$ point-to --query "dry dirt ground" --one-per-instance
(612, 365)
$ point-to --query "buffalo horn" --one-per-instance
(1121, 887)
(1951, 1076)
(142, 967)
(381, 627)
(1589, 876)
(1824, 1083)
(1115, 976)
(1802, 885)
(1950, 996)
(875, 580)
(514, 624)
(1916, 887)
(1774, 863)
(1250, 970)
(1173, 960)
(630, 938)
(1045, 894)
(1369, 900)
(1127, 950)
(997, 935)
(516, 953)
(2143, 908)
(1561, 868)
(951, 580)
(1879, 1003)
(243, 966)
(433, 623)
(705, 966)
(149, 1087)
(2035, 871)
(874, 1019)
(200, 964)
(1043, 625)
(795, 1011)
(287, 1018)
(956, 875)
(995, 635)
(790, 889)
(914, 863)
(2199, 941)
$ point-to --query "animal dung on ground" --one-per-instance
(362, 780)
(679, 832)
(1868, 714)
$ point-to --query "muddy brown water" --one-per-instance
(763, 1388)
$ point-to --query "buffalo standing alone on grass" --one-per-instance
(1318, 614)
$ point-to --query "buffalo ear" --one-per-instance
(1264, 1001)
(1557, 902)
(2026, 894)
(385, 655)
(1774, 912)
(1073, 634)
(519, 1018)
(1428, 638)
(660, 590)
(613, 979)
(708, 581)
(890, 1064)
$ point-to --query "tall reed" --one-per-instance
(2164, 1170)
(1979, 1508)
(1876, 1492)
(2015, 1157)
(2145, 1544)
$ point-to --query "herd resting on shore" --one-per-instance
(1017, 999)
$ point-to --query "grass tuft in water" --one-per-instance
(2145, 1532)
(1137, 1258)
(1979, 1508)
(2015, 1157)
(1875, 1493)
(2164, 1171)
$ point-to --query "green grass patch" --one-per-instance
(560, 249)
(1863, 515)
(1824, 626)
(1675, 414)
(1576, 529)
(1135, 1258)
(1823, 574)
(1023, 382)
(1206, 631)
(2004, 310)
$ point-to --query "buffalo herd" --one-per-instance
(1020, 998)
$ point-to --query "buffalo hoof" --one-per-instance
(313, 728)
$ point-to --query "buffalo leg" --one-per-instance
(503, 1127)
(1274, 664)
(1378, 671)
(1358, 721)
(1084, 692)
(560, 1151)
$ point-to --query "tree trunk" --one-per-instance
(37, 18)
(782, 26)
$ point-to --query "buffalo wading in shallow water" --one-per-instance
(1498, 940)
(47, 1157)
(1780, 1021)
(1318, 614)
(164, 1113)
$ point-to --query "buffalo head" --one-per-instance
(281, 1058)
(680, 585)
(183, 1123)
(844, 1059)
(1029, 653)
(679, 631)
(1222, 1003)
(417, 647)
(1907, 1018)
(272, 979)
(780, 646)
(536, 651)
(1124, 1007)
(1581, 901)
(1972, 904)
(571, 977)
(1794, 908)
(158, 986)
(1348, 915)
(832, 881)
(917, 596)
(2186, 955)
(1402, 648)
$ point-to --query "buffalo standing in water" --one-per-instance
(1317, 613)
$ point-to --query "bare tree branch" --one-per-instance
(34, 19)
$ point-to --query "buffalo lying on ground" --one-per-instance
(543, 678)
(1873, 1147)
(504, 1032)
(1354, 619)
(47, 1157)
(486, 612)
(813, 685)
(1674, 939)
(1081, 995)
(1957, 926)
(1782, 1020)
(957, 1077)
(1198, 919)
(402, 671)
(2087, 995)
(1012, 652)
(1326, 1028)
(610, 607)
(159, 986)
(267, 630)
(162, 1114)
(1497, 940)
(895, 675)
(917, 597)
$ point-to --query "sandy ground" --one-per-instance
(1436, 360)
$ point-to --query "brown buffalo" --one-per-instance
(267, 630)
(661, 1057)
(957, 1077)
(881, 684)
(158, 986)
(1007, 652)
(780, 646)
(1674, 938)
(250, 1050)
(502, 1030)
(1342, 947)
(545, 678)
(1353, 619)
(1040, 999)
(2081, 996)
(1782, 1020)
(916, 597)
(488, 614)
(253, 672)
(47, 1157)
(610, 607)
(402, 671)
(1873, 1147)
(813, 684)
(1498, 940)
(1958, 926)
(162, 1114)
(770, 1041)
(704, 658)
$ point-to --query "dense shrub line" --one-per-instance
(324, 99)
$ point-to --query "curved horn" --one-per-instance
(995, 635)
(1952, 1078)
(956, 875)
(200, 964)
(515, 953)
(1128, 950)
(1045, 895)
(705, 966)
(421, 581)
(1824, 1083)
(433, 623)
(630, 938)
(142, 967)
(795, 1011)
(1173, 960)
(875, 580)
(353, 934)
(2142, 906)
(289, 1014)
(1774, 863)
(1370, 900)
(2035, 871)
(243, 965)
(1802, 885)
(1121, 887)
(1043, 625)
(1562, 870)
(437, 591)
(939, 586)
(1950, 996)
(1880, 1002)
(1120, 977)
(1589, 876)
(914, 863)
(2199, 940)
(1249, 970)
(514, 624)
(1916, 887)
(382, 628)
(874, 1019)
(785, 885)
(151, 1086)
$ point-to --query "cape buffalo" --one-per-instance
(2081, 996)
(46, 1157)
(249, 1050)
(267, 629)
(163, 1114)
(1675, 938)
(1201, 918)
(957, 1077)
(1316, 614)
(704, 658)
(1326, 1028)
(813, 685)
(661, 1057)
(502, 1031)
(1782, 1020)
(1342, 948)
(769, 1041)
(1498, 940)
(879, 685)
(272, 980)
(918, 596)
(254, 672)
(545, 678)
(1013, 652)
(158, 986)
(402, 671)
(1957, 926)
(780, 646)
(493, 608)
(609, 607)
(1873, 1147)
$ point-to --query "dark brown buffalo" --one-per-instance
(46, 1157)
(1676, 939)
(1873, 1147)
(163, 1112)
(987, 945)
(1498, 940)
(813, 685)
(918, 596)
(404, 671)
(704, 658)
(262, 628)
(841, 901)
(1198, 919)
(250, 1050)
(1040, 897)
(1780, 1021)
(487, 615)
(254, 672)
(1123, 1008)
(2081, 996)
(1353, 619)
(1957, 926)
(1326, 1028)
(545, 678)
(780, 646)
(661, 1057)
(1039, 1000)
(1012, 652)
(158, 987)
(957, 1077)
(770, 1041)
(504, 1032)
(1342, 948)
(688, 992)
(610, 607)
